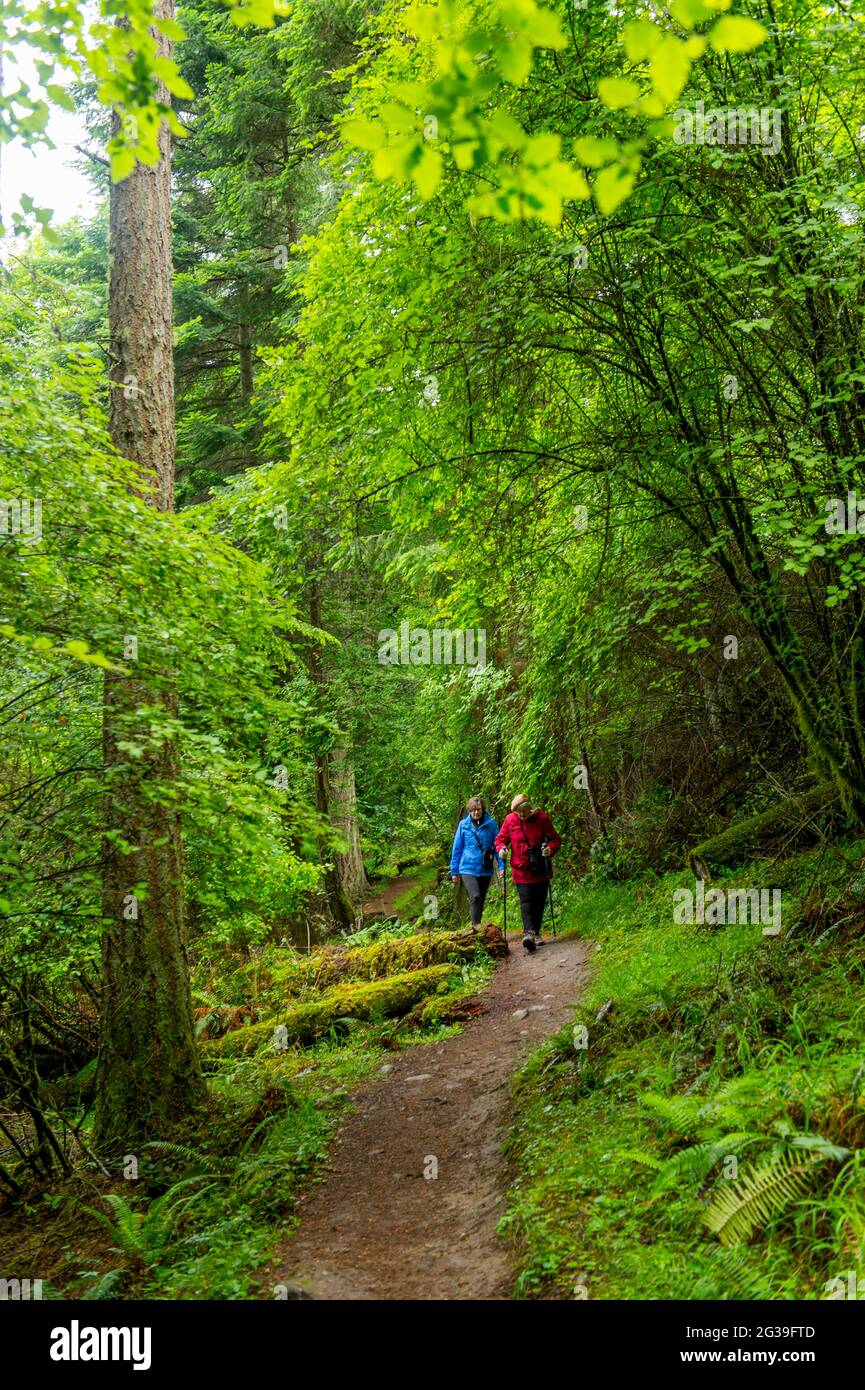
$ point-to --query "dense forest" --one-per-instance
(454, 399)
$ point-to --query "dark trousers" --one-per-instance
(533, 900)
(477, 889)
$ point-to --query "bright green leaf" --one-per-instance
(737, 34)
(617, 92)
(670, 66)
(612, 186)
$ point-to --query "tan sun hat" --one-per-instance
(519, 801)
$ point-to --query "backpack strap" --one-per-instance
(477, 836)
(490, 850)
(526, 841)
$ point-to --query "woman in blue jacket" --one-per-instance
(473, 856)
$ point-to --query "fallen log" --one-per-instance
(443, 1008)
(358, 1000)
(766, 831)
(391, 956)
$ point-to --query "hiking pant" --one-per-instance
(477, 888)
(533, 899)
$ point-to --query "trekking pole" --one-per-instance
(552, 909)
(505, 897)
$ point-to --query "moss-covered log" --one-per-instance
(742, 840)
(357, 999)
(443, 1008)
(392, 955)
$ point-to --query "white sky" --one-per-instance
(46, 174)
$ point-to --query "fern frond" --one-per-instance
(205, 996)
(127, 1226)
(166, 1206)
(104, 1286)
(729, 1273)
(205, 1162)
(681, 1113)
(638, 1156)
(175, 1204)
(815, 1143)
(693, 1163)
(759, 1195)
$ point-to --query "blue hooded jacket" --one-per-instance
(470, 841)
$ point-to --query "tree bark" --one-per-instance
(244, 346)
(339, 902)
(149, 1075)
(581, 747)
(343, 816)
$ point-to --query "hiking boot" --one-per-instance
(529, 942)
(538, 941)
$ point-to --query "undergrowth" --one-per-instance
(197, 1219)
(699, 1131)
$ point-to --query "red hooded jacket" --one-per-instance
(518, 835)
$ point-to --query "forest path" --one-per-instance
(384, 900)
(375, 1227)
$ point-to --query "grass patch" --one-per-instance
(707, 1142)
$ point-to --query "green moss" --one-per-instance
(395, 954)
(747, 838)
(355, 999)
(389, 956)
(456, 1006)
(435, 1010)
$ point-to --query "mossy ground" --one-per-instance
(713, 1033)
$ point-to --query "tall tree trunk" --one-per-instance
(581, 747)
(244, 346)
(339, 903)
(149, 1075)
(343, 816)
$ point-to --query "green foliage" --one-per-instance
(224, 1201)
(259, 122)
(737, 1064)
(127, 49)
(778, 824)
(467, 51)
(219, 1202)
(108, 583)
(762, 1193)
(467, 338)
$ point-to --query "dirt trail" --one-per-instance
(375, 1227)
(384, 900)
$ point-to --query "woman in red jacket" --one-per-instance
(530, 837)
